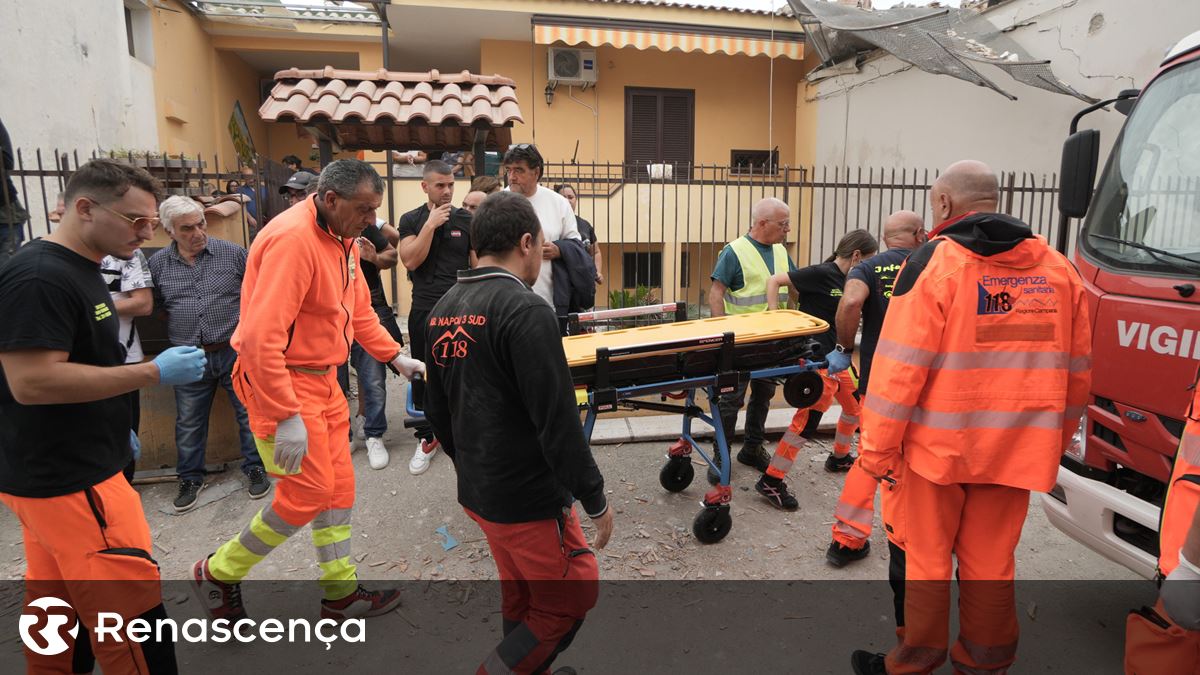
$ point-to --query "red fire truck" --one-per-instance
(1139, 254)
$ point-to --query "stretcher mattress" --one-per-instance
(761, 340)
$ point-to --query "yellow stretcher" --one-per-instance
(617, 369)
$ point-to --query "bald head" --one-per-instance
(771, 221)
(904, 229)
(963, 187)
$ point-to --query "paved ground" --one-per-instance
(395, 538)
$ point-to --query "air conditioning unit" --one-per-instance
(571, 66)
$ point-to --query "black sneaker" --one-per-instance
(866, 663)
(189, 490)
(776, 492)
(755, 456)
(835, 464)
(259, 484)
(840, 556)
(564, 670)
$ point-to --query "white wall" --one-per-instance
(894, 115)
(70, 84)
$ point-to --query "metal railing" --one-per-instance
(39, 177)
(662, 227)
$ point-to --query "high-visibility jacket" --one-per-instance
(983, 364)
(1183, 491)
(752, 296)
(302, 313)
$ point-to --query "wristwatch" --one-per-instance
(844, 350)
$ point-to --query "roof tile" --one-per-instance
(346, 101)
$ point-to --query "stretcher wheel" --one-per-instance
(712, 524)
(676, 474)
(803, 390)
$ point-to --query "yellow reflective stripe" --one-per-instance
(265, 532)
(324, 536)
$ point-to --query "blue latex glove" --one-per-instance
(838, 361)
(180, 365)
(135, 445)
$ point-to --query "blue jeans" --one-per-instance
(372, 390)
(193, 404)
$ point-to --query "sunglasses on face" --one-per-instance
(136, 223)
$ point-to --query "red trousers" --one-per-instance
(91, 549)
(980, 525)
(549, 580)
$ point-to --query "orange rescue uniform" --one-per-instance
(978, 383)
(304, 303)
(1153, 643)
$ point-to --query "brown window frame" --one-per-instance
(635, 169)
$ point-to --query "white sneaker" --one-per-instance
(419, 463)
(377, 453)
(359, 433)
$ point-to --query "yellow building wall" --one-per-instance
(731, 97)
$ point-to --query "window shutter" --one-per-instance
(677, 133)
(641, 147)
(659, 128)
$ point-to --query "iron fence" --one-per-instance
(661, 227)
(40, 177)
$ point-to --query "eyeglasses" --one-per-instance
(137, 223)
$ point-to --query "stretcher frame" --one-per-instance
(714, 521)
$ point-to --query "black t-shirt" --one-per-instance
(449, 252)
(54, 299)
(371, 272)
(820, 288)
(879, 274)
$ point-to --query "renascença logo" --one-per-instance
(51, 633)
(111, 626)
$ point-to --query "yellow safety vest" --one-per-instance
(752, 296)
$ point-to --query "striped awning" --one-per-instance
(683, 39)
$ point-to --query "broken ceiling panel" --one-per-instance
(941, 40)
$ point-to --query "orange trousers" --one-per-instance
(842, 387)
(980, 525)
(91, 549)
(1154, 645)
(322, 493)
(856, 508)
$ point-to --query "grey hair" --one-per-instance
(346, 176)
(764, 207)
(175, 207)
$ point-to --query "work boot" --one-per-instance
(866, 663)
(361, 603)
(840, 556)
(776, 492)
(755, 456)
(835, 464)
(259, 484)
(218, 599)
(189, 492)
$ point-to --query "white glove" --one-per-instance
(408, 367)
(291, 444)
(1180, 595)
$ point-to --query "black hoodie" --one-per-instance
(499, 396)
